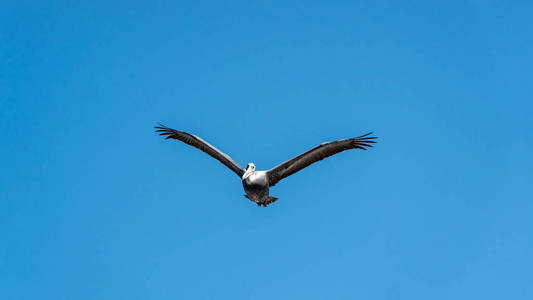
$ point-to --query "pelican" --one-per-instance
(257, 183)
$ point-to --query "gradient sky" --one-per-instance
(95, 205)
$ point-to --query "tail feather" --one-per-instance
(270, 199)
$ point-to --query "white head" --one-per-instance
(250, 169)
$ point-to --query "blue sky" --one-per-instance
(94, 205)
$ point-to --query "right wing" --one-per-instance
(198, 143)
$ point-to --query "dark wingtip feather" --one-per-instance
(364, 141)
(366, 134)
(359, 145)
(164, 131)
(160, 126)
(365, 145)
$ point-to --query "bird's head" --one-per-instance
(250, 169)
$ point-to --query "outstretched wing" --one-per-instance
(320, 152)
(197, 142)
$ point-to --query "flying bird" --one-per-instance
(257, 183)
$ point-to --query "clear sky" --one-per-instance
(95, 205)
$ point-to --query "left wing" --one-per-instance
(320, 152)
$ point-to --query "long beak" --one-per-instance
(247, 173)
